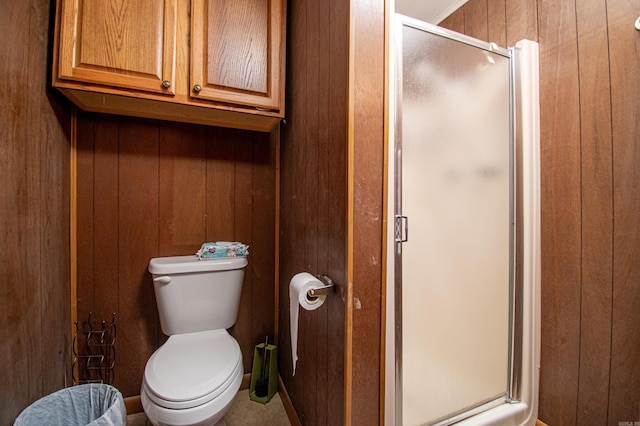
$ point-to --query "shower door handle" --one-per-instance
(402, 229)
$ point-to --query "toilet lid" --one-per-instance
(191, 366)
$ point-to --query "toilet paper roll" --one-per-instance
(298, 287)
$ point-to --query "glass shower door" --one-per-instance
(454, 208)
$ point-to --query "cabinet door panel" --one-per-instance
(236, 51)
(122, 43)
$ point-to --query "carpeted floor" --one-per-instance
(243, 412)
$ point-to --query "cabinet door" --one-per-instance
(123, 43)
(237, 51)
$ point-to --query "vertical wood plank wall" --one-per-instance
(366, 181)
(35, 337)
(313, 204)
(590, 173)
(149, 188)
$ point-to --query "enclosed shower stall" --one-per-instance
(464, 269)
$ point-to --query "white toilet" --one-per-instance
(193, 378)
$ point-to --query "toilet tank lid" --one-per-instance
(186, 264)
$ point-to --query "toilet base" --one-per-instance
(207, 414)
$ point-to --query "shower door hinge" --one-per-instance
(402, 229)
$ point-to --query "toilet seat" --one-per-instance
(192, 369)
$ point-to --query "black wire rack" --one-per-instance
(94, 351)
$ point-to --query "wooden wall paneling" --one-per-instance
(289, 259)
(323, 165)
(285, 244)
(149, 188)
(561, 210)
(299, 144)
(105, 239)
(313, 189)
(97, 222)
(309, 363)
(85, 291)
(220, 184)
(337, 211)
(34, 226)
(49, 127)
(522, 20)
(240, 206)
(455, 21)
(293, 150)
(367, 131)
(284, 347)
(262, 250)
(308, 358)
(183, 182)
(597, 212)
(243, 193)
(624, 45)
(497, 22)
(19, 166)
(137, 243)
(29, 205)
(476, 19)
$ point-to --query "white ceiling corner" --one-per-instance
(432, 11)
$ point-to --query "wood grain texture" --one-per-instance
(455, 21)
(109, 102)
(367, 159)
(150, 188)
(105, 25)
(309, 326)
(143, 58)
(560, 165)
(220, 175)
(312, 206)
(85, 295)
(476, 19)
(239, 30)
(237, 52)
(34, 216)
(263, 247)
(105, 219)
(523, 20)
(128, 44)
(624, 48)
(293, 146)
(597, 212)
(182, 205)
(497, 22)
(243, 229)
(137, 242)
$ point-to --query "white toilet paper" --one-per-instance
(298, 287)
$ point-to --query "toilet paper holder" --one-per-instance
(327, 288)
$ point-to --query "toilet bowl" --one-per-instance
(193, 378)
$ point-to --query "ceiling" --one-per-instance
(432, 11)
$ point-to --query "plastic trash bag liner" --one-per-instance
(92, 404)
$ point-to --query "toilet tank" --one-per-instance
(197, 295)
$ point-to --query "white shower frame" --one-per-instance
(524, 410)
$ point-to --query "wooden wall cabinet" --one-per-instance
(214, 62)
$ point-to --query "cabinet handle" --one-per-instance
(166, 84)
(197, 88)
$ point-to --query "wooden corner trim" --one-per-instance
(287, 404)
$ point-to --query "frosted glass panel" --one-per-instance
(455, 173)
